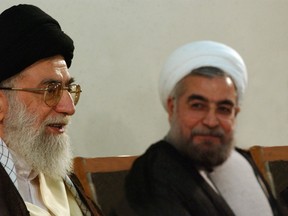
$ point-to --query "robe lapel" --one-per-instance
(218, 201)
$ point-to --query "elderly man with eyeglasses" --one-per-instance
(37, 98)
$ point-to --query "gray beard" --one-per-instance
(205, 155)
(47, 153)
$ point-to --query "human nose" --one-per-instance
(210, 119)
(66, 104)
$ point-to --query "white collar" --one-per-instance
(237, 183)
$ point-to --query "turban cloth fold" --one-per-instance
(201, 54)
(27, 35)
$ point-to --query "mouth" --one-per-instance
(57, 127)
(208, 139)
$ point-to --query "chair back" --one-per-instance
(272, 162)
(103, 178)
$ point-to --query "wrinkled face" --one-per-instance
(43, 72)
(34, 130)
(202, 119)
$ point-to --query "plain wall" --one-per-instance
(121, 46)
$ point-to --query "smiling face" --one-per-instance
(202, 118)
(30, 127)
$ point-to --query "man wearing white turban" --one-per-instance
(199, 54)
(196, 170)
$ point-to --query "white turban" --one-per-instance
(200, 54)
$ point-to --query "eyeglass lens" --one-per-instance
(54, 93)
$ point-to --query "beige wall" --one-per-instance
(122, 44)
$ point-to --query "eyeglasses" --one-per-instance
(53, 92)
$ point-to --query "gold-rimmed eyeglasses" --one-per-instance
(53, 92)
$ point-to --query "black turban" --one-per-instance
(27, 34)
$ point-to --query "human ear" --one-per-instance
(3, 105)
(237, 110)
(170, 107)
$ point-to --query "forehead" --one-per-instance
(53, 68)
(212, 88)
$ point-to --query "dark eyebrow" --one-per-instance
(201, 98)
(70, 81)
(226, 102)
(197, 97)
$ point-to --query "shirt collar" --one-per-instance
(6, 160)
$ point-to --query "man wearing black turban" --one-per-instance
(37, 99)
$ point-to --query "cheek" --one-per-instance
(35, 105)
(227, 125)
(40, 113)
(188, 120)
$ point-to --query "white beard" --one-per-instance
(47, 153)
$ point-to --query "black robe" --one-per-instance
(164, 183)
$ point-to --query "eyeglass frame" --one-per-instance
(46, 89)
